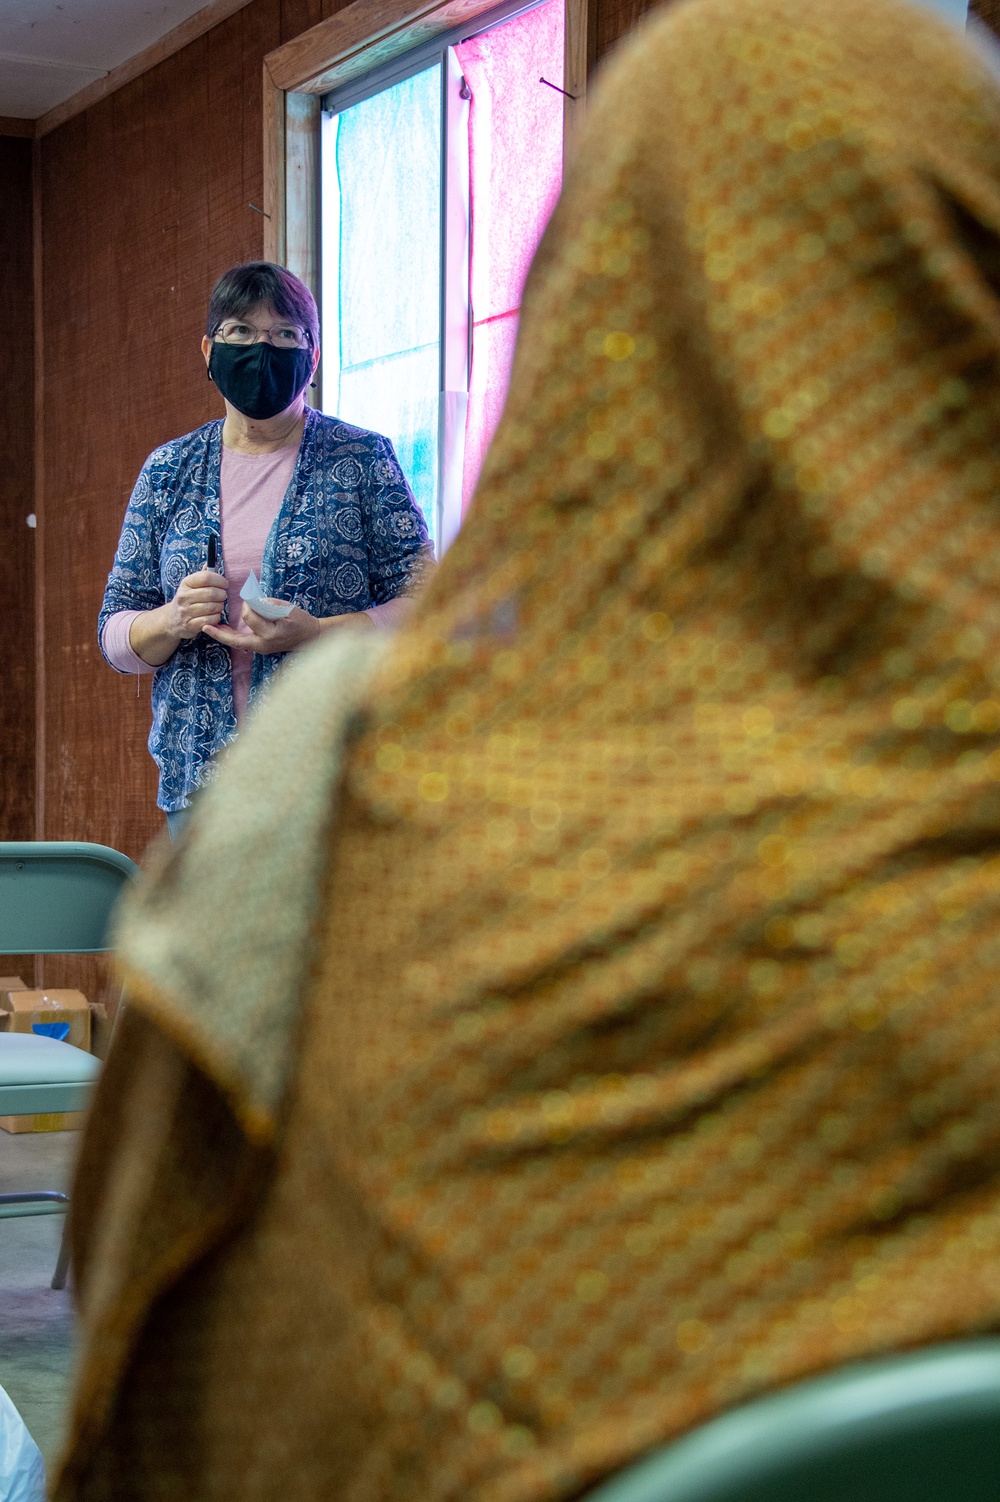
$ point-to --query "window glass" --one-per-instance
(382, 271)
(478, 132)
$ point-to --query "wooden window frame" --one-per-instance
(347, 45)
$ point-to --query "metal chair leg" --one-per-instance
(62, 1264)
(35, 1202)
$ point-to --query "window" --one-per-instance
(382, 271)
(438, 175)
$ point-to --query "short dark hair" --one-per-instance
(242, 288)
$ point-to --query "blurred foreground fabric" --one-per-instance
(642, 1051)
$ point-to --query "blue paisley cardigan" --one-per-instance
(349, 535)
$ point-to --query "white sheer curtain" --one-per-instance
(382, 272)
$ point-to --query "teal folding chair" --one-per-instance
(924, 1427)
(56, 897)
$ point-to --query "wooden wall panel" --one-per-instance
(144, 200)
(616, 18)
(298, 16)
(17, 540)
(144, 203)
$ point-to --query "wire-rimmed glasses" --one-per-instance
(281, 335)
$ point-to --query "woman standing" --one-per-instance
(319, 511)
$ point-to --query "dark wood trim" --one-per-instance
(9, 126)
(39, 416)
(274, 170)
(579, 61)
(302, 127)
(361, 37)
(39, 308)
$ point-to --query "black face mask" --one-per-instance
(258, 379)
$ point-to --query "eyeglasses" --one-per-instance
(281, 335)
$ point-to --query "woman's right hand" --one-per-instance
(197, 603)
(156, 634)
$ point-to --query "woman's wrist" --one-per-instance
(153, 636)
(355, 619)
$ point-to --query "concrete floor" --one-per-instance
(36, 1323)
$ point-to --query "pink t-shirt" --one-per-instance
(251, 490)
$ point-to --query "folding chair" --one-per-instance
(924, 1427)
(56, 897)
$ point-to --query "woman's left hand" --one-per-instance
(292, 631)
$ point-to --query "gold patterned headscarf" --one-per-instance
(676, 839)
(651, 1053)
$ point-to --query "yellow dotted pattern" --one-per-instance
(673, 850)
(654, 1055)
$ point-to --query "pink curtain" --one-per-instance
(515, 172)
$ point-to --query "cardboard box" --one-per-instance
(20, 1011)
(47, 1121)
(62, 1014)
(11, 983)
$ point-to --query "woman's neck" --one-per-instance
(246, 435)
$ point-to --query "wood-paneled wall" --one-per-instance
(17, 540)
(144, 200)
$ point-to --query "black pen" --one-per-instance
(211, 550)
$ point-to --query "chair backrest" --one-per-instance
(56, 896)
(924, 1427)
